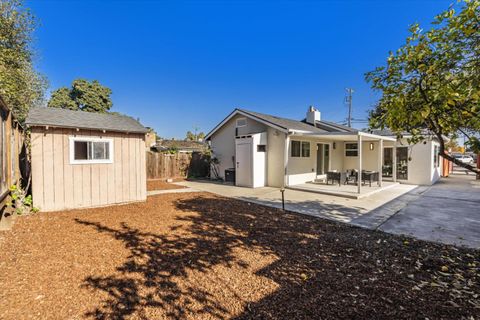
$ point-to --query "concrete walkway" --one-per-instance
(447, 212)
(179, 190)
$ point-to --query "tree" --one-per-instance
(453, 145)
(83, 95)
(432, 82)
(21, 85)
(194, 136)
(190, 136)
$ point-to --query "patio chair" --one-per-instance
(351, 176)
(369, 176)
(334, 176)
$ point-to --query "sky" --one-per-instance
(179, 65)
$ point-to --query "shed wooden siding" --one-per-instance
(58, 185)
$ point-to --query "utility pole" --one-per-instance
(195, 129)
(348, 100)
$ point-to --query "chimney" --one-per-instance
(312, 115)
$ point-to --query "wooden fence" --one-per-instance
(175, 166)
(13, 161)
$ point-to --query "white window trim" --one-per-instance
(236, 122)
(301, 155)
(72, 140)
(345, 147)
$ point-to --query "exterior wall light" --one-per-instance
(371, 146)
(334, 146)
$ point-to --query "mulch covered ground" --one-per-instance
(199, 256)
(161, 184)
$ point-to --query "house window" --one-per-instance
(241, 122)
(295, 149)
(351, 149)
(84, 150)
(305, 149)
(300, 149)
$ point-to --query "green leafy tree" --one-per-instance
(21, 85)
(194, 136)
(83, 95)
(190, 136)
(432, 82)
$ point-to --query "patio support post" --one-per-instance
(285, 160)
(394, 166)
(359, 177)
(380, 162)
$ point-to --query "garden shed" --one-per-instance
(84, 159)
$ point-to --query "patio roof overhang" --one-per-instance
(344, 136)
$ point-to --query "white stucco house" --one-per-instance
(266, 150)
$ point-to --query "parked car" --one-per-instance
(474, 156)
(464, 158)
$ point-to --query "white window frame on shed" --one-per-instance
(74, 139)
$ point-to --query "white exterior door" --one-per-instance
(243, 172)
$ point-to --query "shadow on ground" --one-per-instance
(323, 269)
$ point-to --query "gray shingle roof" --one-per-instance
(64, 118)
(285, 123)
(334, 127)
(289, 124)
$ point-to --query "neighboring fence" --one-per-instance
(178, 165)
(12, 160)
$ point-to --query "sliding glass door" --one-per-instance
(387, 168)
(402, 163)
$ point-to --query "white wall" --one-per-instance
(223, 141)
(369, 157)
(421, 167)
(275, 158)
(337, 155)
(302, 169)
(259, 160)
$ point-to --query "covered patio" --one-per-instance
(344, 190)
(347, 164)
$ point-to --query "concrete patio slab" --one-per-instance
(353, 211)
(344, 190)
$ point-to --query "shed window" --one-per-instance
(351, 149)
(91, 150)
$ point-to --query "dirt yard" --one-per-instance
(161, 184)
(199, 256)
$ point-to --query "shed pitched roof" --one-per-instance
(64, 118)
